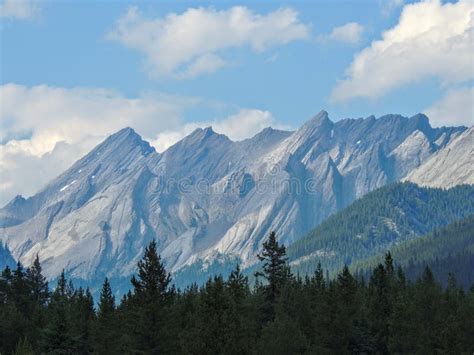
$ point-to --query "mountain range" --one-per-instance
(208, 196)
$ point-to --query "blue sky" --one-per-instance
(73, 72)
(66, 46)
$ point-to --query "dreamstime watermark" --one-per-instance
(274, 180)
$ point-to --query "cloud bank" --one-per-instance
(19, 9)
(44, 129)
(192, 43)
(455, 108)
(350, 33)
(431, 39)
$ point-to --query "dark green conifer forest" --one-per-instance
(281, 314)
(393, 215)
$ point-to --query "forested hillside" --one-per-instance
(281, 314)
(379, 221)
(446, 250)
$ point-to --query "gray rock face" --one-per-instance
(207, 195)
(452, 165)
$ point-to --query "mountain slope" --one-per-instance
(450, 166)
(379, 221)
(77, 220)
(449, 249)
(207, 196)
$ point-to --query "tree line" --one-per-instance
(281, 314)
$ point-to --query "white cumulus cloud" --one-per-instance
(455, 108)
(390, 5)
(19, 9)
(431, 39)
(44, 129)
(54, 114)
(350, 33)
(192, 43)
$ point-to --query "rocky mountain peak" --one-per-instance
(200, 135)
(96, 217)
(304, 138)
(321, 118)
(269, 133)
(126, 138)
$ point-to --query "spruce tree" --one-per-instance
(380, 306)
(466, 318)
(80, 319)
(427, 300)
(56, 337)
(20, 290)
(151, 294)
(276, 272)
(214, 321)
(237, 284)
(5, 285)
(188, 306)
(24, 348)
(452, 332)
(241, 315)
(39, 297)
(153, 280)
(37, 283)
(105, 332)
(402, 323)
(318, 303)
(107, 301)
(342, 299)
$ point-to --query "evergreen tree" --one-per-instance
(80, 319)
(275, 271)
(105, 340)
(153, 280)
(319, 310)
(19, 289)
(24, 348)
(237, 285)
(380, 306)
(5, 285)
(38, 298)
(342, 298)
(188, 307)
(56, 337)
(466, 318)
(241, 313)
(427, 299)
(107, 301)
(317, 315)
(37, 283)
(282, 336)
(12, 326)
(452, 328)
(214, 318)
(402, 323)
(150, 297)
